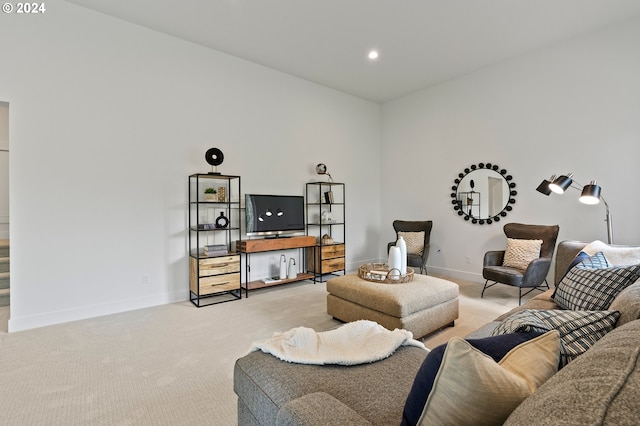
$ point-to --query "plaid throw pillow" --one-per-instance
(588, 286)
(579, 330)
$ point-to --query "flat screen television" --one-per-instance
(274, 215)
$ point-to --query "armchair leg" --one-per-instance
(539, 288)
(486, 287)
(520, 294)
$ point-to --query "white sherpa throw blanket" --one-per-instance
(353, 343)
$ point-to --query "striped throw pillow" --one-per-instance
(579, 330)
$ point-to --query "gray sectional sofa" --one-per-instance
(599, 387)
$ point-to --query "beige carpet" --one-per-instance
(171, 364)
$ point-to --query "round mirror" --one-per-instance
(483, 193)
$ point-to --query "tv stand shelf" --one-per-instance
(273, 244)
(254, 285)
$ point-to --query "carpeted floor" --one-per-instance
(171, 364)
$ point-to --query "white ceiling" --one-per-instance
(421, 42)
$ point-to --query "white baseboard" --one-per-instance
(84, 312)
(453, 273)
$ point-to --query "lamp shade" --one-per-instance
(590, 193)
(561, 183)
(543, 188)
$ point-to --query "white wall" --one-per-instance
(573, 107)
(107, 121)
(4, 170)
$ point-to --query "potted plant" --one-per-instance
(210, 194)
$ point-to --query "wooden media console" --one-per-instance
(273, 244)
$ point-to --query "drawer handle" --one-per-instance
(221, 265)
(226, 282)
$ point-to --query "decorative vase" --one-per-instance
(222, 221)
(292, 273)
(283, 267)
(402, 244)
(395, 262)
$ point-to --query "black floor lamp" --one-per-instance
(591, 194)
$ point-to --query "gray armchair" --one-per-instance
(535, 276)
(415, 260)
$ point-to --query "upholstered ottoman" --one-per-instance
(421, 306)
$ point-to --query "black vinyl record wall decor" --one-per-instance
(215, 157)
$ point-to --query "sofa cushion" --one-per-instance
(539, 301)
(601, 387)
(318, 409)
(579, 330)
(588, 287)
(520, 253)
(491, 375)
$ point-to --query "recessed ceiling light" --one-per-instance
(373, 54)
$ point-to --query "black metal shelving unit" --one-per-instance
(214, 275)
(326, 215)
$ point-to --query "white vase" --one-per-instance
(395, 262)
(283, 267)
(292, 272)
(402, 244)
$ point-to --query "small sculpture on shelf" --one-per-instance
(321, 169)
(327, 217)
(222, 221)
(222, 194)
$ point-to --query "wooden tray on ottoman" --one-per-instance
(380, 273)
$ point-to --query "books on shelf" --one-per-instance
(328, 197)
(215, 250)
(206, 226)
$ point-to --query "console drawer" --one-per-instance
(332, 265)
(326, 259)
(219, 265)
(332, 251)
(219, 283)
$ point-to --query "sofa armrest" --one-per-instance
(318, 409)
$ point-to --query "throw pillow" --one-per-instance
(480, 381)
(616, 255)
(520, 253)
(584, 288)
(580, 257)
(628, 304)
(579, 330)
(414, 240)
